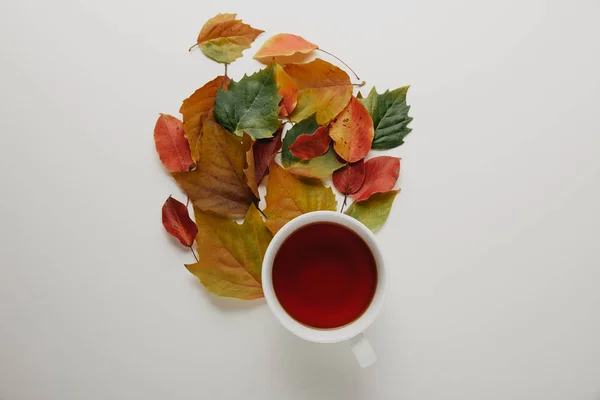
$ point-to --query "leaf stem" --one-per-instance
(224, 77)
(192, 250)
(190, 49)
(342, 61)
(344, 203)
(261, 211)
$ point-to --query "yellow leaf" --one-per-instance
(199, 104)
(323, 88)
(288, 197)
(218, 184)
(231, 254)
(223, 38)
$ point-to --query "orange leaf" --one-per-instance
(199, 104)
(287, 90)
(177, 221)
(381, 175)
(352, 132)
(218, 184)
(288, 197)
(231, 254)
(264, 153)
(349, 180)
(309, 146)
(223, 38)
(171, 144)
(284, 44)
(323, 88)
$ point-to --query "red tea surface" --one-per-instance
(324, 275)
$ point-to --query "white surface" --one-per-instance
(492, 244)
(347, 332)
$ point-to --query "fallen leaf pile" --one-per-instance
(233, 131)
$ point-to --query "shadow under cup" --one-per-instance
(324, 275)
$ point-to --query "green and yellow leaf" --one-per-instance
(231, 254)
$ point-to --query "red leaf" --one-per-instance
(381, 174)
(349, 180)
(171, 144)
(177, 221)
(264, 153)
(308, 146)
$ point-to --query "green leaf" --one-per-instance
(390, 117)
(250, 105)
(374, 211)
(318, 167)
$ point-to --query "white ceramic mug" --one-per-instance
(352, 332)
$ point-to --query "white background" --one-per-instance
(492, 244)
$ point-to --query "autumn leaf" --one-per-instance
(348, 180)
(283, 45)
(352, 132)
(199, 104)
(223, 38)
(177, 221)
(218, 184)
(374, 211)
(231, 254)
(250, 105)
(249, 167)
(323, 89)
(264, 153)
(308, 146)
(288, 197)
(390, 117)
(287, 91)
(319, 167)
(171, 145)
(381, 175)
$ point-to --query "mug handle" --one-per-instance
(362, 350)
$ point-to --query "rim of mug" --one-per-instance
(344, 332)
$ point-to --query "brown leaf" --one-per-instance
(218, 184)
(198, 105)
(264, 153)
(231, 254)
(348, 180)
(309, 146)
(177, 221)
(381, 175)
(250, 168)
(288, 197)
(171, 145)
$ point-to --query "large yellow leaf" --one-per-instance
(199, 104)
(218, 183)
(288, 197)
(323, 88)
(223, 38)
(231, 254)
